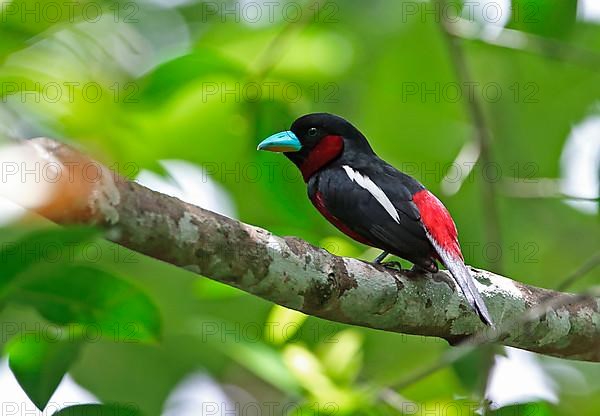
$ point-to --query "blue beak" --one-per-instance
(285, 141)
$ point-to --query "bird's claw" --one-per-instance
(419, 270)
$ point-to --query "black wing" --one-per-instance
(359, 210)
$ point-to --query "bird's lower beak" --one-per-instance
(285, 141)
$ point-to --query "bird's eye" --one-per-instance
(312, 132)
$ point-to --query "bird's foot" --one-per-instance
(419, 270)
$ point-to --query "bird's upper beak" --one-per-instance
(285, 141)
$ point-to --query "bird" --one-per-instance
(372, 202)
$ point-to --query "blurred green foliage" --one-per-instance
(148, 81)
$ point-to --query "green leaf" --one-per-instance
(543, 17)
(100, 302)
(174, 75)
(342, 359)
(99, 410)
(210, 289)
(524, 409)
(39, 361)
(326, 409)
(286, 323)
(470, 368)
(51, 246)
(310, 373)
(266, 363)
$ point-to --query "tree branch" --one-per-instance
(295, 274)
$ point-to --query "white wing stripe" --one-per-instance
(366, 183)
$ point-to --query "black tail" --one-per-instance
(464, 279)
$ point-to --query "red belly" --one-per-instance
(319, 203)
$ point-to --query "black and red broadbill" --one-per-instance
(371, 201)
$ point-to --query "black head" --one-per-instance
(317, 139)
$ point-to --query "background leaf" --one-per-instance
(40, 360)
(98, 410)
(543, 17)
(54, 245)
(92, 298)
